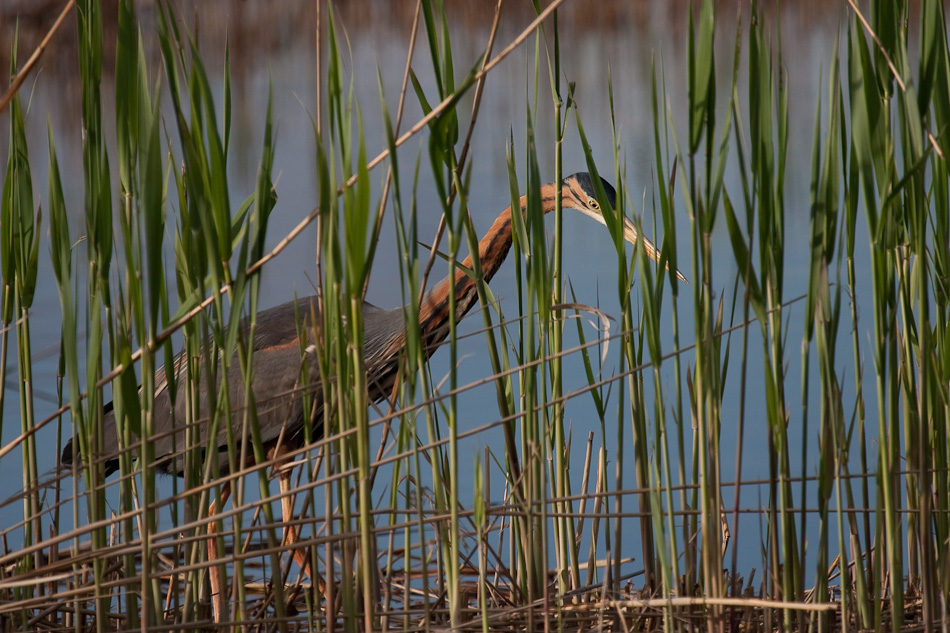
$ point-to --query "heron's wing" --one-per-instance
(286, 385)
(279, 325)
(384, 333)
(277, 389)
(286, 382)
(384, 339)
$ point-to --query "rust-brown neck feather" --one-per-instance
(492, 250)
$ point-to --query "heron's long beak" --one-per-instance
(631, 235)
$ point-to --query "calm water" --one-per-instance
(625, 38)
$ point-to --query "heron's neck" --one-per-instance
(492, 251)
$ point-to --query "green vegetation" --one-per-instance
(867, 462)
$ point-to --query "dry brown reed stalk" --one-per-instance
(34, 58)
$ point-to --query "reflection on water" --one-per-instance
(277, 46)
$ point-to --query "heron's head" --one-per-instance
(579, 189)
(577, 192)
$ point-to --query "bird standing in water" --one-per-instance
(278, 376)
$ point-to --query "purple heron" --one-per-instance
(278, 364)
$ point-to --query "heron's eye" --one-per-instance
(593, 204)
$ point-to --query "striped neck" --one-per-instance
(492, 251)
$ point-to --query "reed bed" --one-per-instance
(404, 525)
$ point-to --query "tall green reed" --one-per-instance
(883, 152)
(350, 220)
(896, 122)
(702, 189)
(763, 194)
(142, 308)
(19, 251)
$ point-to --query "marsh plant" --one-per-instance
(400, 525)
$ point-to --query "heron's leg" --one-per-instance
(301, 556)
(218, 583)
(290, 537)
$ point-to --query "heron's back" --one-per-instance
(286, 389)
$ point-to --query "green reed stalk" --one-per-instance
(99, 247)
(406, 242)
(335, 335)
(861, 588)
(566, 541)
(480, 525)
(862, 596)
(919, 379)
(61, 258)
(359, 267)
(934, 97)
(666, 193)
(545, 423)
(662, 480)
(19, 250)
(873, 156)
(444, 134)
(823, 311)
(141, 293)
(701, 195)
(522, 559)
(534, 445)
(768, 115)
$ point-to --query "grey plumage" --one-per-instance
(278, 393)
